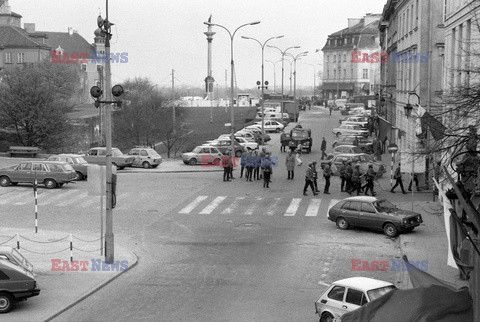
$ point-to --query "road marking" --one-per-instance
(232, 207)
(192, 205)
(47, 200)
(293, 207)
(313, 208)
(271, 208)
(323, 283)
(73, 200)
(214, 204)
(252, 207)
(17, 196)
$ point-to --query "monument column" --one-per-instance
(209, 80)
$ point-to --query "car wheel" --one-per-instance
(50, 183)
(277, 130)
(216, 161)
(338, 134)
(6, 302)
(326, 317)
(192, 161)
(146, 165)
(5, 181)
(78, 176)
(390, 230)
(342, 223)
(238, 153)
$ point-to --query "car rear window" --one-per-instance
(337, 293)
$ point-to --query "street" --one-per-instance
(211, 250)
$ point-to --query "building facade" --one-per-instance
(349, 64)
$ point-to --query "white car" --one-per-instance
(271, 126)
(357, 120)
(349, 294)
(350, 129)
(249, 144)
(247, 135)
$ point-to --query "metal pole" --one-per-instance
(263, 102)
(109, 237)
(232, 115)
(173, 100)
(283, 64)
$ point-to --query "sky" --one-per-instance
(161, 35)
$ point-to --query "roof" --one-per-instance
(11, 36)
(362, 198)
(366, 36)
(70, 43)
(362, 283)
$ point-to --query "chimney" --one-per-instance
(70, 31)
(352, 22)
(29, 27)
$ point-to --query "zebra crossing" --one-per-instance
(286, 207)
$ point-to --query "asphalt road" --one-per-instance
(211, 250)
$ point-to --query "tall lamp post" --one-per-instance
(274, 73)
(232, 68)
(283, 52)
(295, 58)
(262, 45)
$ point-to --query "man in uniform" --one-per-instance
(327, 173)
(342, 170)
(323, 148)
(309, 180)
(348, 176)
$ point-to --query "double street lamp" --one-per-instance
(262, 45)
(295, 58)
(274, 73)
(232, 68)
(283, 52)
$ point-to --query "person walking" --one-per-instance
(256, 166)
(226, 168)
(284, 140)
(342, 170)
(415, 179)
(398, 177)
(327, 173)
(315, 176)
(249, 165)
(231, 163)
(263, 154)
(348, 176)
(356, 180)
(369, 177)
(309, 180)
(290, 163)
(323, 148)
(243, 164)
(267, 171)
(330, 108)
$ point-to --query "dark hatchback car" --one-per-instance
(373, 213)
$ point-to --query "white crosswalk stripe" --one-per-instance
(214, 204)
(313, 208)
(293, 207)
(57, 197)
(192, 205)
(252, 206)
(233, 205)
(15, 196)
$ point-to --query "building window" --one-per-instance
(8, 58)
(365, 74)
(328, 58)
(411, 17)
(351, 72)
(344, 58)
(328, 74)
(334, 74)
(416, 14)
(345, 74)
(21, 58)
(344, 41)
(408, 21)
(334, 58)
(84, 67)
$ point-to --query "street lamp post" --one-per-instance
(283, 52)
(263, 82)
(232, 68)
(274, 73)
(295, 58)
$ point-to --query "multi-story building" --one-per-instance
(413, 36)
(348, 68)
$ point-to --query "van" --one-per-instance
(17, 283)
(276, 115)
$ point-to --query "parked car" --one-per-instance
(98, 155)
(13, 255)
(340, 103)
(270, 126)
(361, 158)
(145, 157)
(79, 164)
(342, 149)
(364, 144)
(16, 284)
(248, 135)
(356, 120)
(248, 144)
(347, 129)
(373, 213)
(349, 294)
(257, 131)
(203, 155)
(223, 145)
(52, 174)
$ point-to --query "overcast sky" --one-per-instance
(161, 35)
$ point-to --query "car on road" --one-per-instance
(249, 145)
(373, 213)
(52, 174)
(17, 283)
(98, 155)
(356, 158)
(257, 132)
(250, 136)
(204, 154)
(270, 126)
(342, 149)
(356, 120)
(79, 164)
(145, 157)
(364, 144)
(223, 145)
(349, 129)
(349, 294)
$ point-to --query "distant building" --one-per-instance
(347, 66)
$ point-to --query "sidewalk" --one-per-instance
(427, 243)
(61, 289)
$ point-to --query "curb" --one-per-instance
(171, 171)
(93, 291)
